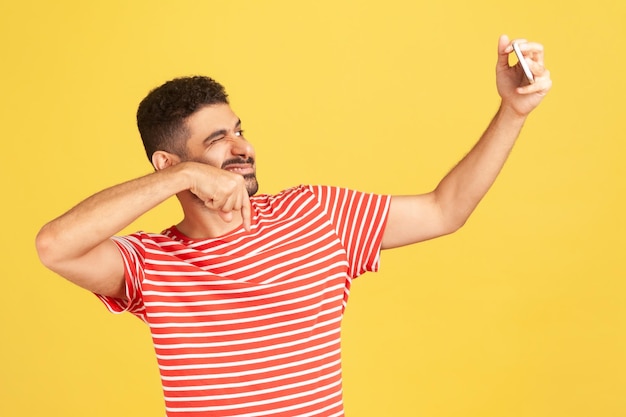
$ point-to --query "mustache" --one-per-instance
(237, 161)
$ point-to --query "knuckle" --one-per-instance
(237, 183)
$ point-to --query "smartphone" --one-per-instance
(523, 63)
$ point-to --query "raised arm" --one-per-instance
(77, 245)
(421, 217)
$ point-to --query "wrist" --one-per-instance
(191, 175)
(180, 176)
(510, 114)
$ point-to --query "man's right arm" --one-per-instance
(77, 245)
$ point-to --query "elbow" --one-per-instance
(45, 244)
(459, 221)
(453, 226)
(453, 213)
(454, 221)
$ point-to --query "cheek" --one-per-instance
(209, 158)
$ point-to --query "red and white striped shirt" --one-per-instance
(248, 324)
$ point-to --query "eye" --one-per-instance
(239, 133)
(215, 140)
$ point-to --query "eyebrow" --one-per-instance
(220, 132)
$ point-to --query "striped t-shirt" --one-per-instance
(248, 324)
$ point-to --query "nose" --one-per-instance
(241, 147)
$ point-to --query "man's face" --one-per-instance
(216, 139)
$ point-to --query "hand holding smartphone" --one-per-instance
(523, 63)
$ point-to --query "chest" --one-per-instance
(279, 263)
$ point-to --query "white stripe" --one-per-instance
(244, 342)
(256, 371)
(267, 359)
(320, 411)
(255, 393)
(233, 292)
(243, 309)
(265, 402)
(241, 320)
(262, 381)
(337, 264)
(249, 351)
(255, 329)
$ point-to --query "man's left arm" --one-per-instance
(417, 218)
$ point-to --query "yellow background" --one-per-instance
(521, 313)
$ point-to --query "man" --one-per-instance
(244, 297)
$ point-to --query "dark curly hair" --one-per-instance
(161, 114)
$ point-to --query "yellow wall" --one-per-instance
(521, 313)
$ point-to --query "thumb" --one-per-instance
(504, 48)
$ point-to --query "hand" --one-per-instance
(514, 89)
(222, 191)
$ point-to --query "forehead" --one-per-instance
(209, 119)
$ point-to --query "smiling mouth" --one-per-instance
(248, 169)
(239, 166)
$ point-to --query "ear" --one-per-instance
(162, 159)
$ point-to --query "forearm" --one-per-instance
(106, 213)
(461, 190)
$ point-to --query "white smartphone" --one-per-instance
(523, 63)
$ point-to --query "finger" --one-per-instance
(519, 41)
(219, 204)
(210, 204)
(232, 205)
(216, 203)
(532, 50)
(541, 86)
(229, 205)
(504, 49)
(537, 69)
(246, 212)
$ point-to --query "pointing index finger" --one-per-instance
(246, 212)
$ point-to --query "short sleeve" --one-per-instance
(133, 254)
(359, 220)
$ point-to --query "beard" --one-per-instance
(252, 185)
